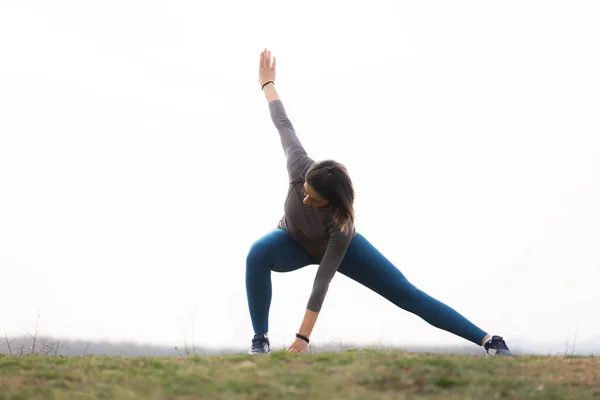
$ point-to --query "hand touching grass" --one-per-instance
(298, 346)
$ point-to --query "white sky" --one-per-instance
(138, 163)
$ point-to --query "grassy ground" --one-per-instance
(366, 374)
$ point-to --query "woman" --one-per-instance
(317, 228)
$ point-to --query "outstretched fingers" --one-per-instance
(266, 70)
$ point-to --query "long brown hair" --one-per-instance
(331, 180)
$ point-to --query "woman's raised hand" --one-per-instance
(266, 71)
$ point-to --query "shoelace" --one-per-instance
(499, 344)
(258, 342)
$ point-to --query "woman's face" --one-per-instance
(312, 198)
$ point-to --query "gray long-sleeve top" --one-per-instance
(310, 226)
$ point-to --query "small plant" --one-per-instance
(37, 345)
(570, 344)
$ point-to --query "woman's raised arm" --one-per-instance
(297, 159)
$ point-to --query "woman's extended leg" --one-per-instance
(276, 251)
(367, 266)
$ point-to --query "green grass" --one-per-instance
(364, 374)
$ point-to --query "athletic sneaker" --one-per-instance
(260, 344)
(497, 347)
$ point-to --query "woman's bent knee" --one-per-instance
(258, 253)
(263, 250)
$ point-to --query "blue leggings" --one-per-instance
(279, 252)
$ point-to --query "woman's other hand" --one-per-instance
(298, 346)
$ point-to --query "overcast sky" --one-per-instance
(138, 163)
